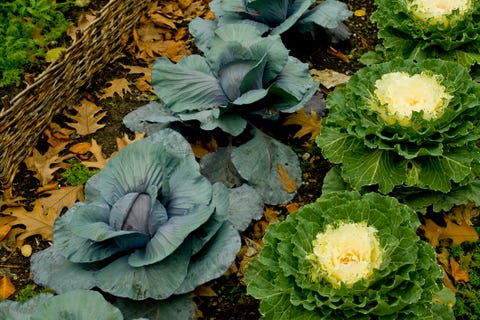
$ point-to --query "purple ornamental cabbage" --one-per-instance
(151, 226)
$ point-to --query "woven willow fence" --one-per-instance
(28, 114)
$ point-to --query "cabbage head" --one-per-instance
(241, 74)
(151, 226)
(281, 15)
(405, 126)
(346, 256)
(430, 29)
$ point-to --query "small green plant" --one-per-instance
(27, 28)
(30, 291)
(78, 174)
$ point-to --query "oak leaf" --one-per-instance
(45, 165)
(289, 184)
(310, 124)
(119, 86)
(87, 118)
(125, 140)
(36, 222)
(62, 198)
(459, 233)
(6, 288)
(100, 160)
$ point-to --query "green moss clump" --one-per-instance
(78, 174)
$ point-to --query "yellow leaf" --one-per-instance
(117, 86)
(204, 291)
(459, 233)
(4, 230)
(310, 125)
(54, 54)
(458, 273)
(289, 184)
(87, 118)
(6, 288)
(360, 13)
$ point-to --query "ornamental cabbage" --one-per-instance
(151, 226)
(346, 256)
(405, 127)
(430, 29)
(279, 16)
(242, 74)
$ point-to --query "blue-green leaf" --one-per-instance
(259, 162)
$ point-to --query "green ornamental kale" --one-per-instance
(406, 128)
(346, 256)
(151, 226)
(430, 29)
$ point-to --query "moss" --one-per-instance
(78, 174)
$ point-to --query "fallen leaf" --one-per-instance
(292, 207)
(309, 124)
(100, 160)
(87, 118)
(204, 291)
(459, 233)
(271, 214)
(201, 148)
(464, 213)
(338, 54)
(329, 78)
(4, 230)
(457, 272)
(246, 254)
(80, 148)
(45, 165)
(125, 140)
(117, 86)
(36, 222)
(289, 184)
(61, 198)
(6, 288)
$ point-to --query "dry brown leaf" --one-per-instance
(329, 78)
(464, 213)
(6, 288)
(84, 20)
(100, 160)
(62, 198)
(292, 207)
(204, 291)
(459, 233)
(4, 230)
(57, 135)
(457, 272)
(80, 148)
(87, 118)
(144, 82)
(309, 124)
(36, 222)
(119, 86)
(162, 21)
(289, 184)
(246, 254)
(271, 214)
(45, 165)
(338, 54)
(201, 148)
(125, 140)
